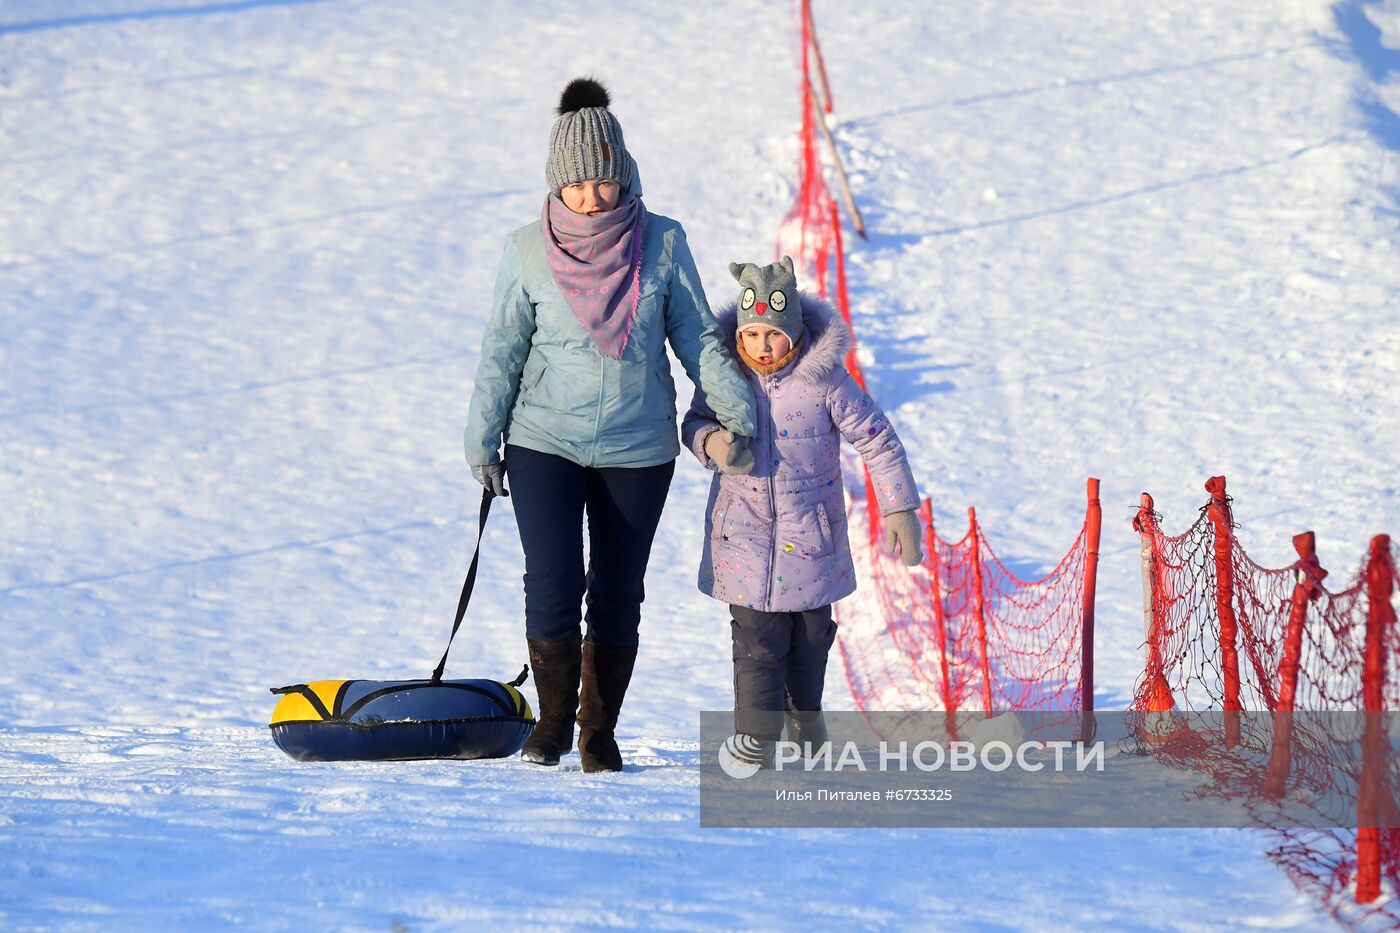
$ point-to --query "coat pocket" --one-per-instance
(831, 522)
(824, 523)
(667, 387)
(528, 385)
(719, 534)
(735, 536)
(560, 388)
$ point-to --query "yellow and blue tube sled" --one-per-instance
(400, 720)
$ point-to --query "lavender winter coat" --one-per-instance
(775, 540)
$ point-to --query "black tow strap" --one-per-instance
(310, 695)
(486, 496)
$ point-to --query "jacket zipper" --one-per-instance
(772, 500)
(598, 411)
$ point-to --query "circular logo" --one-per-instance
(739, 756)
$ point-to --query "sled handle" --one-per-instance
(486, 496)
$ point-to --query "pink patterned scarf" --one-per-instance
(597, 263)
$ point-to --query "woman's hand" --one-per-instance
(731, 454)
(492, 476)
(903, 529)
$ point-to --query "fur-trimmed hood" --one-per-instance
(825, 338)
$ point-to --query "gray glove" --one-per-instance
(731, 454)
(492, 476)
(904, 529)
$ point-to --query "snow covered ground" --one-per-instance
(246, 251)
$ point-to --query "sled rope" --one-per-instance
(462, 601)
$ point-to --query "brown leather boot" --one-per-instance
(556, 671)
(606, 674)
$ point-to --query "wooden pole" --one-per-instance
(827, 103)
(1143, 525)
(1157, 723)
(1093, 527)
(856, 221)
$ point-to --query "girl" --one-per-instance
(776, 547)
(574, 377)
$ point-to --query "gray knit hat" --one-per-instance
(586, 143)
(769, 296)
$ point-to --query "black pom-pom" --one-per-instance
(582, 92)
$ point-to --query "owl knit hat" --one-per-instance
(769, 296)
(586, 143)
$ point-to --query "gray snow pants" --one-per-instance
(778, 653)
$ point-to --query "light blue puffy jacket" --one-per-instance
(542, 384)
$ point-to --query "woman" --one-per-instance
(574, 376)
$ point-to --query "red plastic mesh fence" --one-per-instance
(960, 632)
(807, 233)
(1225, 633)
(963, 632)
(811, 232)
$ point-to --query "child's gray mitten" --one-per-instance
(731, 454)
(905, 529)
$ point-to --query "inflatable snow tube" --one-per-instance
(400, 720)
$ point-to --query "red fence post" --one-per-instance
(843, 301)
(1380, 621)
(980, 609)
(1310, 575)
(808, 212)
(1093, 524)
(872, 511)
(1220, 518)
(940, 620)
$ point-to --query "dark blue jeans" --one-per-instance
(551, 495)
